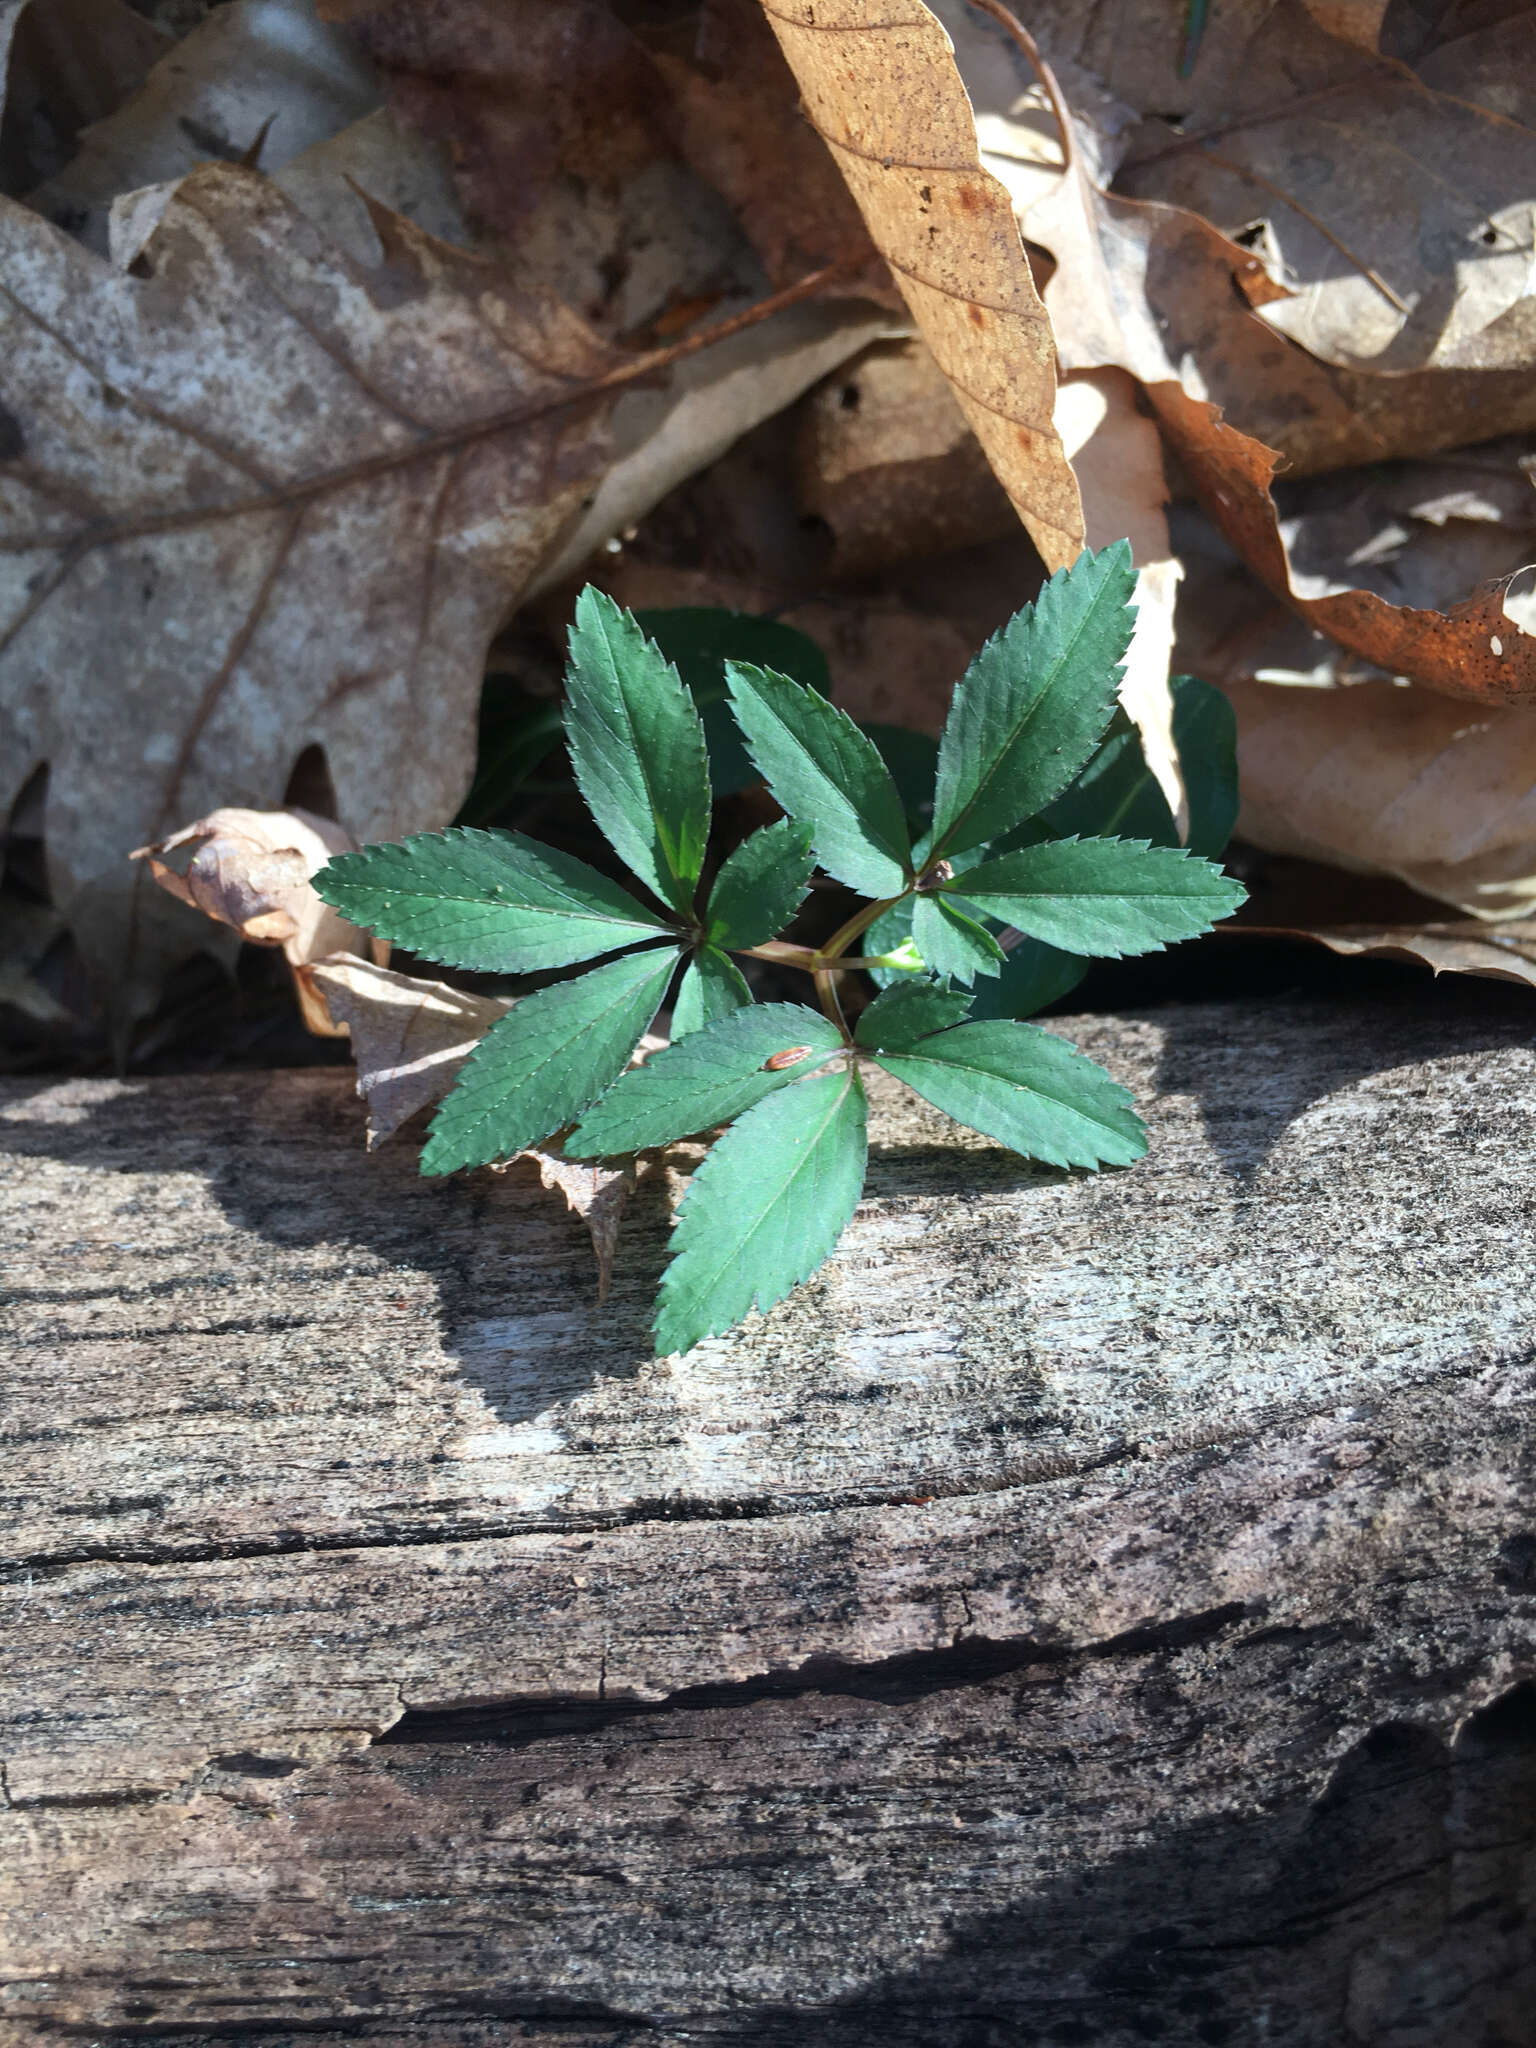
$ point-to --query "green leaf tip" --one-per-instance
(766, 1207)
(637, 748)
(1103, 897)
(1031, 1091)
(761, 885)
(827, 774)
(1031, 707)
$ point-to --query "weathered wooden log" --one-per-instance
(1095, 1610)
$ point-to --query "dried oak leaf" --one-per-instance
(257, 500)
(1396, 781)
(882, 90)
(1201, 286)
(257, 77)
(1391, 200)
(735, 117)
(253, 871)
(1113, 301)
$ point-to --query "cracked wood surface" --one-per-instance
(1096, 1610)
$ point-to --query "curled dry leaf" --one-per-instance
(1503, 952)
(1130, 282)
(1361, 916)
(258, 79)
(1391, 780)
(598, 157)
(735, 117)
(881, 89)
(252, 870)
(1390, 200)
(597, 1193)
(409, 1037)
(1477, 649)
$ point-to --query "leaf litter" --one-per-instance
(363, 385)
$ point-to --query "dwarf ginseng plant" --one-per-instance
(777, 1189)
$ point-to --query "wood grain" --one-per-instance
(1097, 1610)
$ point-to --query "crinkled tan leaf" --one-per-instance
(1200, 288)
(1392, 200)
(1394, 781)
(1372, 776)
(881, 89)
(409, 1037)
(735, 116)
(1389, 197)
(1475, 649)
(1504, 952)
(598, 1194)
(1115, 262)
(252, 870)
(255, 72)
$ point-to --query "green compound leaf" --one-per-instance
(1030, 708)
(1205, 733)
(761, 886)
(952, 943)
(492, 901)
(770, 1201)
(1031, 1092)
(1115, 797)
(713, 986)
(699, 640)
(704, 1080)
(1032, 975)
(909, 1011)
(547, 1060)
(637, 748)
(823, 771)
(1102, 896)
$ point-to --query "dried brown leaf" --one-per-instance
(1475, 649)
(1113, 300)
(409, 1037)
(259, 500)
(598, 1194)
(1391, 780)
(887, 460)
(256, 75)
(1504, 952)
(735, 117)
(1391, 200)
(253, 870)
(882, 90)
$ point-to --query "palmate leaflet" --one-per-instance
(980, 920)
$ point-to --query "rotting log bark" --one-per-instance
(1096, 1610)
